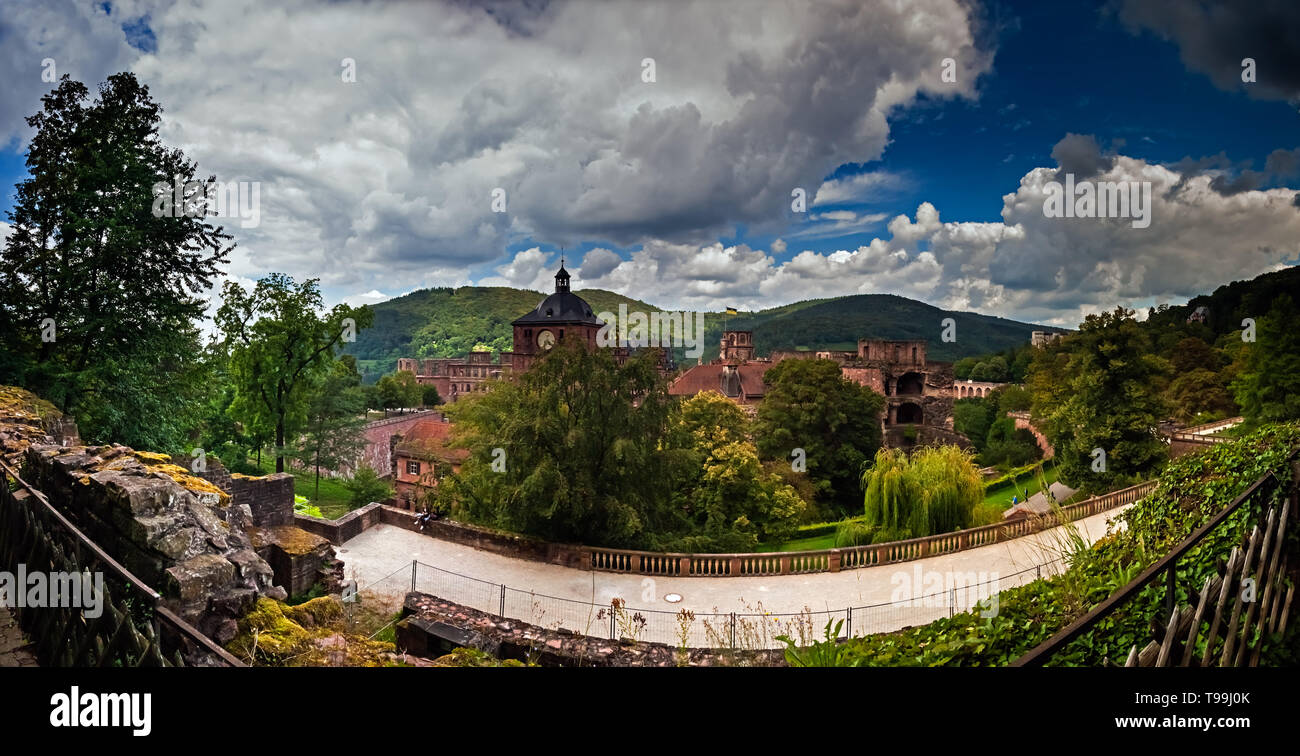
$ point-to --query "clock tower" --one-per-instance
(562, 315)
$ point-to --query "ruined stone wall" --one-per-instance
(298, 558)
(178, 533)
(432, 625)
(1043, 443)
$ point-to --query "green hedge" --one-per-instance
(1009, 479)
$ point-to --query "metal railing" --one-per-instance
(1164, 568)
(133, 628)
(753, 629)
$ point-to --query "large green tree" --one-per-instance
(810, 406)
(727, 501)
(1100, 389)
(571, 451)
(1268, 388)
(280, 349)
(400, 390)
(98, 295)
(333, 434)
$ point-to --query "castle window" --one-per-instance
(412, 468)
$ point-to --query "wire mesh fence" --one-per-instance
(753, 629)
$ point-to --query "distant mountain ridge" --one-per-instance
(449, 322)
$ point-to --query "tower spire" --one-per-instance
(561, 276)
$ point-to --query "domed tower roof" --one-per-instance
(561, 308)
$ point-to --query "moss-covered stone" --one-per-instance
(180, 475)
(473, 657)
(272, 635)
(323, 611)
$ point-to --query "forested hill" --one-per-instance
(449, 322)
(446, 322)
(839, 322)
(1231, 303)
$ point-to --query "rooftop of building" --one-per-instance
(561, 308)
(428, 439)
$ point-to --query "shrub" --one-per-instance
(852, 533)
(366, 486)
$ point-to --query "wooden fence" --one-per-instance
(133, 628)
(1236, 609)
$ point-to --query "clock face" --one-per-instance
(545, 339)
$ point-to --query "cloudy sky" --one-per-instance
(661, 144)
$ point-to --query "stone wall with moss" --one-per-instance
(26, 419)
(176, 531)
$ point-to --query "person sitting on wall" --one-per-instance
(423, 519)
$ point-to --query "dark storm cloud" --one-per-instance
(1213, 38)
(1081, 155)
(1283, 163)
(1228, 177)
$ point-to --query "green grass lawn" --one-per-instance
(988, 511)
(333, 499)
(812, 543)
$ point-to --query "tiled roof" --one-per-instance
(427, 439)
(703, 378)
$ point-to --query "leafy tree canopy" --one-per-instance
(809, 405)
(1100, 389)
(280, 349)
(98, 295)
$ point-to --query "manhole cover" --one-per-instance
(673, 598)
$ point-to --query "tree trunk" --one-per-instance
(279, 446)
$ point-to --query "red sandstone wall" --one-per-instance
(1043, 443)
(378, 434)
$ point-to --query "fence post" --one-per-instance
(952, 601)
(415, 568)
(1171, 596)
(1038, 572)
(849, 612)
(503, 599)
(733, 630)
(611, 624)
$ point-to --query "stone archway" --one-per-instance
(911, 384)
(910, 413)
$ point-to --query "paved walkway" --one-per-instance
(14, 649)
(373, 556)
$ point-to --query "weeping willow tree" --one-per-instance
(951, 484)
(895, 505)
(933, 491)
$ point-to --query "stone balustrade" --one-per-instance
(662, 564)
